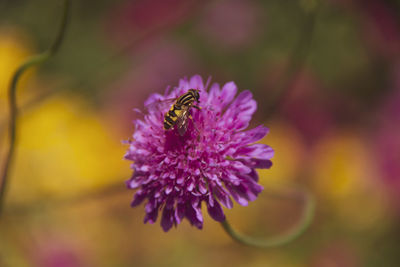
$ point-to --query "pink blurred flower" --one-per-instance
(305, 105)
(387, 140)
(232, 23)
(56, 252)
(137, 17)
(380, 25)
(308, 109)
(336, 254)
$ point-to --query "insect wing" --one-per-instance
(182, 127)
(161, 104)
(182, 122)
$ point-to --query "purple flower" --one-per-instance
(213, 161)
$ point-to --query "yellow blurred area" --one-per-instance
(342, 165)
(344, 174)
(288, 158)
(15, 48)
(65, 148)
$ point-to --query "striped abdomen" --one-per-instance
(171, 116)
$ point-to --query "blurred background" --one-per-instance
(327, 80)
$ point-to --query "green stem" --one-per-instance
(296, 231)
(12, 97)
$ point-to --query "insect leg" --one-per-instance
(194, 124)
(196, 107)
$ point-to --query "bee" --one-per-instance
(180, 111)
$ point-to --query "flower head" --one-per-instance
(213, 161)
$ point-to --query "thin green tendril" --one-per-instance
(12, 97)
(302, 225)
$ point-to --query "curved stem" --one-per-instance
(12, 97)
(296, 231)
